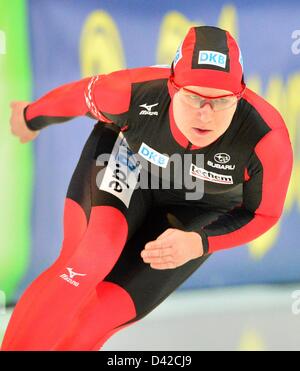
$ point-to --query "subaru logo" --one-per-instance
(222, 158)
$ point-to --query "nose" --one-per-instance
(206, 112)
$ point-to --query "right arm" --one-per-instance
(97, 97)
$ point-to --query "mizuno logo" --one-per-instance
(148, 108)
(69, 278)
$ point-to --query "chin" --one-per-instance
(201, 142)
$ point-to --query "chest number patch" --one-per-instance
(122, 172)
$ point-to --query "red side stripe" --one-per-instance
(269, 113)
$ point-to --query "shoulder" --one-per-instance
(118, 84)
(266, 129)
(264, 111)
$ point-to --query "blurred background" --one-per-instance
(246, 298)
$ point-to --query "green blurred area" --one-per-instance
(16, 168)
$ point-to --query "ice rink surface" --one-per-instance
(264, 318)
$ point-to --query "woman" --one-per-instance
(128, 244)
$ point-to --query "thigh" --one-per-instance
(148, 287)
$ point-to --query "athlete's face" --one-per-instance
(201, 126)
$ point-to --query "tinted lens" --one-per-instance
(223, 103)
(217, 104)
(192, 100)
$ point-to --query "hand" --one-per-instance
(172, 249)
(18, 125)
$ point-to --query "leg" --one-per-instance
(104, 312)
(93, 255)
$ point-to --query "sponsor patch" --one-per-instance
(222, 158)
(209, 176)
(122, 172)
(221, 167)
(212, 57)
(71, 274)
(148, 109)
(153, 156)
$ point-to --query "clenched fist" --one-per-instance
(172, 249)
(17, 123)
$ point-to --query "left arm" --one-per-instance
(270, 169)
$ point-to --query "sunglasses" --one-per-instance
(196, 100)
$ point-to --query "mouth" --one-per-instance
(201, 132)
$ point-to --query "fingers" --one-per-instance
(17, 123)
(160, 252)
(159, 259)
(158, 244)
(157, 253)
